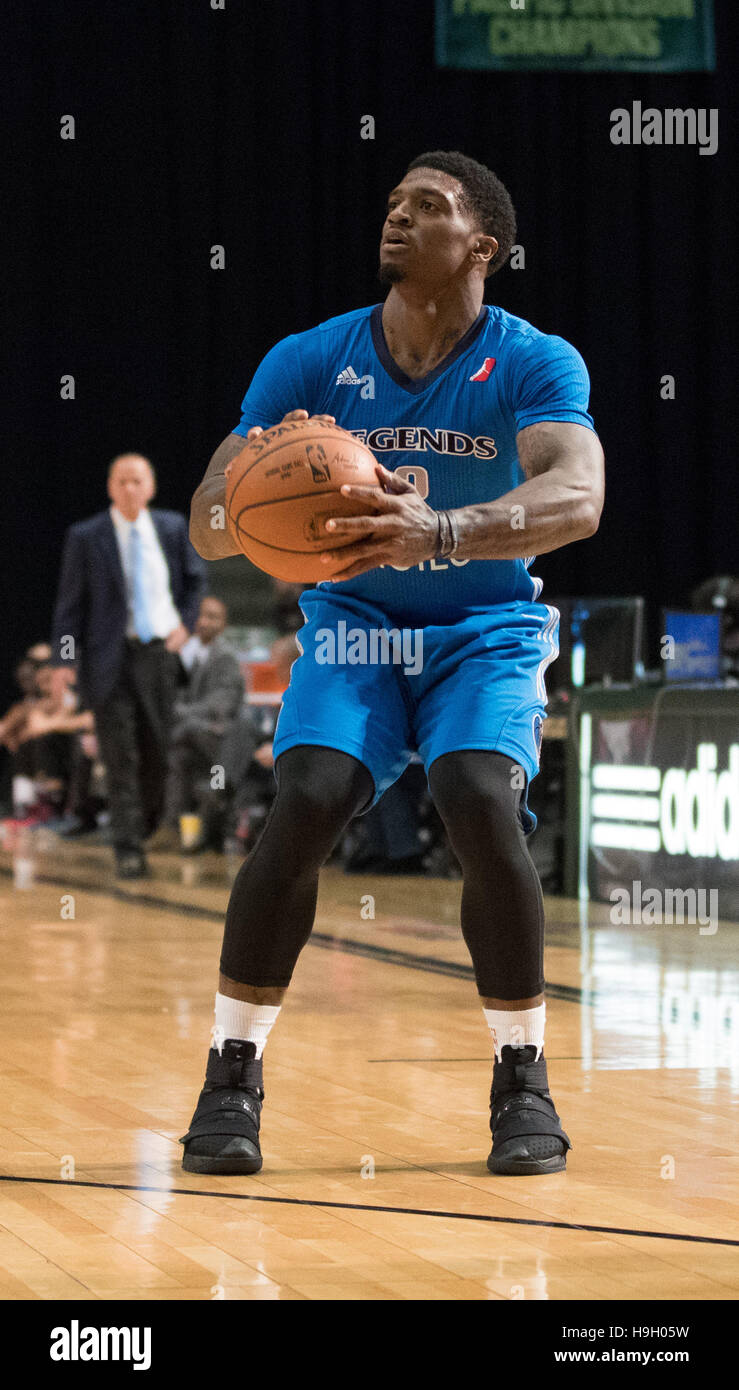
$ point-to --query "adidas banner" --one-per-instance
(576, 35)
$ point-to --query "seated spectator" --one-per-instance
(286, 613)
(402, 834)
(391, 837)
(17, 793)
(37, 731)
(203, 712)
(24, 676)
(249, 760)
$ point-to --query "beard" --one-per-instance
(390, 274)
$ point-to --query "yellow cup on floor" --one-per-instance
(191, 829)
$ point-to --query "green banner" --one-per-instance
(576, 35)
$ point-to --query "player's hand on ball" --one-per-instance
(403, 532)
(256, 430)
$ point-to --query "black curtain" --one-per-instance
(241, 127)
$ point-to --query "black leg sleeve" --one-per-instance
(273, 900)
(478, 794)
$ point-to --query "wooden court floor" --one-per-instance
(377, 1077)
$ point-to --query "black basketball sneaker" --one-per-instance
(527, 1135)
(224, 1131)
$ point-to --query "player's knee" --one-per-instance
(319, 791)
(477, 797)
(313, 812)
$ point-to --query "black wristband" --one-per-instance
(445, 535)
(448, 535)
(454, 532)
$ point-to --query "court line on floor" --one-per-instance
(387, 955)
(365, 1206)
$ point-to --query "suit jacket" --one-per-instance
(214, 693)
(91, 603)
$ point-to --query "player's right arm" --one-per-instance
(210, 537)
(287, 374)
(208, 532)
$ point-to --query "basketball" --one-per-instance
(283, 488)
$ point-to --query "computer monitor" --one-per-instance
(693, 652)
(601, 641)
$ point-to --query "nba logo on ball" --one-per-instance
(316, 456)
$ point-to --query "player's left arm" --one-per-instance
(560, 501)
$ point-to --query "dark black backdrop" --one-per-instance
(242, 127)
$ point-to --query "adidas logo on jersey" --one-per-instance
(348, 377)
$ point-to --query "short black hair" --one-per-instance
(484, 197)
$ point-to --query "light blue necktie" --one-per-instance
(141, 609)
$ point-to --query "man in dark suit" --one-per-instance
(203, 713)
(128, 596)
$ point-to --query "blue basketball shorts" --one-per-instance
(369, 687)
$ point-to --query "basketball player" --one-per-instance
(489, 456)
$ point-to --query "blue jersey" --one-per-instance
(451, 432)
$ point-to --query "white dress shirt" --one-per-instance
(164, 615)
(194, 653)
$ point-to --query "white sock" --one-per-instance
(517, 1028)
(248, 1022)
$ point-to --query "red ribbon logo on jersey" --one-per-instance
(485, 370)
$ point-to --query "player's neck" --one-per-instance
(421, 330)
